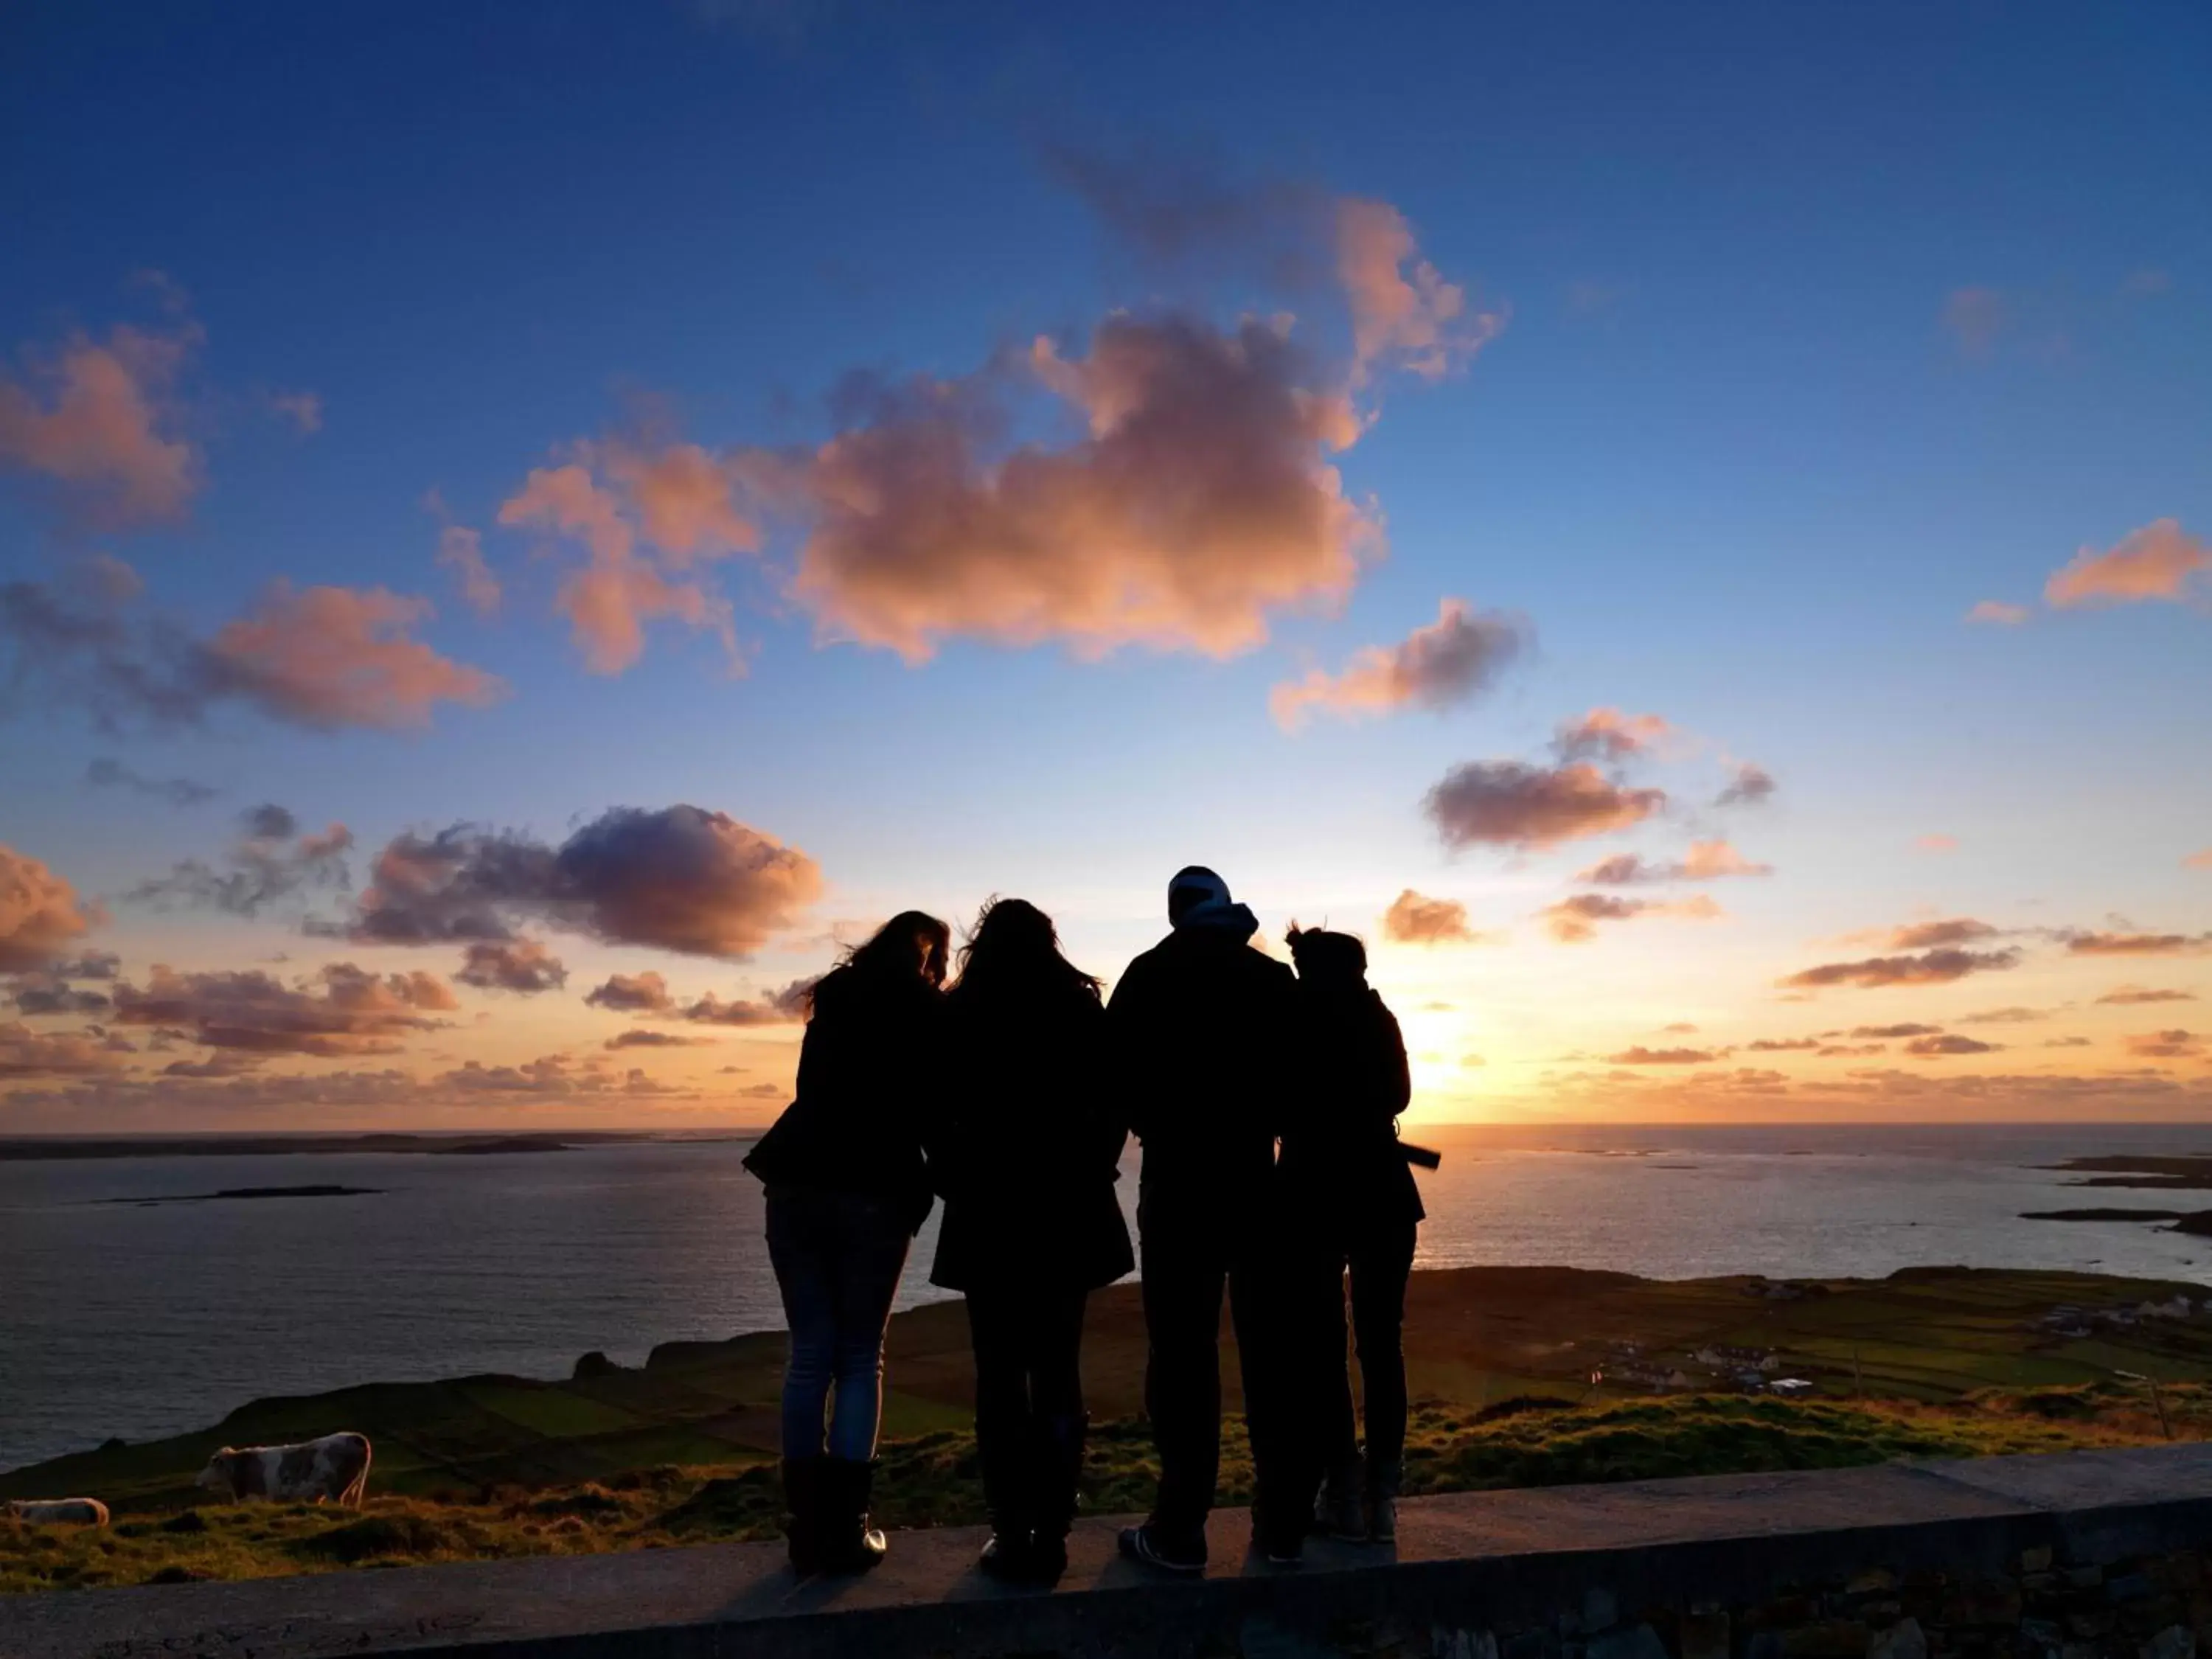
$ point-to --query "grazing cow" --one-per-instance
(59, 1511)
(334, 1467)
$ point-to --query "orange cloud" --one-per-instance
(1608, 734)
(25, 1053)
(1706, 860)
(2198, 860)
(2129, 996)
(252, 1013)
(1640, 1055)
(98, 418)
(2166, 1045)
(1923, 935)
(1574, 920)
(2136, 944)
(1513, 803)
(1199, 504)
(1933, 968)
(461, 550)
(654, 1040)
(1436, 667)
(333, 657)
(632, 993)
(1413, 919)
(40, 914)
(678, 879)
(2159, 562)
(1999, 613)
(1403, 313)
(1931, 1048)
(1936, 843)
(522, 965)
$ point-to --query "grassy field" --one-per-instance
(1929, 1361)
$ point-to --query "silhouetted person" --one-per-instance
(1200, 1023)
(848, 1187)
(1349, 1205)
(1026, 1155)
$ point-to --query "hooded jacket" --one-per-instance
(870, 1071)
(1341, 1169)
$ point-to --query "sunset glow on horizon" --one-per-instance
(520, 535)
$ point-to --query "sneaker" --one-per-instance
(1149, 1545)
(1340, 1511)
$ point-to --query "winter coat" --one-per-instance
(1027, 1150)
(1341, 1172)
(1201, 1026)
(869, 1073)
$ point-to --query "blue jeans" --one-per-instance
(837, 1258)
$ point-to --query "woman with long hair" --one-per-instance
(1352, 1209)
(847, 1188)
(1026, 1153)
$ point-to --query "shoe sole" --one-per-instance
(1139, 1552)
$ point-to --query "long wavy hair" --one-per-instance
(1012, 945)
(890, 951)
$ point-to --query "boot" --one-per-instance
(1004, 1453)
(1340, 1511)
(847, 1542)
(1383, 1481)
(1056, 1475)
(803, 1528)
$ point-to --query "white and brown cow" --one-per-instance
(334, 1467)
(59, 1511)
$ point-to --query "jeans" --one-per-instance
(1028, 1403)
(1188, 1263)
(1379, 1264)
(837, 1258)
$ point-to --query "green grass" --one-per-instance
(930, 1480)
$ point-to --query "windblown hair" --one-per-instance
(1327, 959)
(889, 951)
(1014, 944)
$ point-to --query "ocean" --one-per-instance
(120, 1319)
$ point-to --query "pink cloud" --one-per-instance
(1574, 920)
(1926, 935)
(1415, 919)
(1936, 843)
(98, 419)
(1938, 967)
(461, 550)
(1706, 860)
(1513, 803)
(522, 965)
(1998, 613)
(2161, 561)
(1436, 667)
(1607, 734)
(333, 657)
(2198, 860)
(40, 914)
(343, 1011)
(1403, 313)
(1751, 785)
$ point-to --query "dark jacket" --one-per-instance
(1201, 1025)
(1341, 1169)
(1027, 1148)
(868, 1075)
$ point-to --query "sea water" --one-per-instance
(148, 1320)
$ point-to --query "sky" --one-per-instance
(525, 531)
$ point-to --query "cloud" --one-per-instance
(2198, 860)
(1415, 919)
(2081, 943)
(1783, 1045)
(1955, 930)
(1640, 1055)
(1975, 317)
(2166, 1045)
(1706, 860)
(1751, 785)
(1950, 1044)
(2129, 996)
(25, 1053)
(271, 863)
(678, 879)
(653, 1039)
(1197, 505)
(322, 658)
(40, 914)
(633, 993)
(1999, 613)
(461, 550)
(100, 421)
(1513, 803)
(522, 965)
(2159, 562)
(1574, 920)
(1436, 667)
(347, 1012)
(1932, 968)
(51, 993)
(303, 408)
(2068, 1043)
(785, 1006)
(650, 514)
(1936, 843)
(105, 774)
(1607, 734)
(1404, 315)
(1907, 1029)
(2005, 1017)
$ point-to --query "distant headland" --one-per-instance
(33, 1148)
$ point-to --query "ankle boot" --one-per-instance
(1003, 1453)
(848, 1542)
(1340, 1511)
(1056, 1472)
(802, 1527)
(1382, 1480)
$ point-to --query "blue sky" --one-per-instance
(1819, 326)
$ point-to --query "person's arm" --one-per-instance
(1099, 1097)
(1394, 1077)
